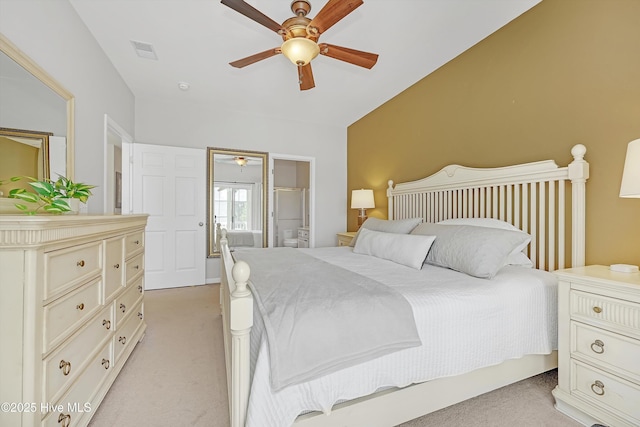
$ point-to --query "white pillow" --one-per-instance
(476, 251)
(398, 226)
(406, 249)
(517, 257)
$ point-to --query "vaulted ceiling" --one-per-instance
(195, 40)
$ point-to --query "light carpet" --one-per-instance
(176, 377)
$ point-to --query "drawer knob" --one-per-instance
(80, 263)
(123, 308)
(105, 363)
(64, 420)
(140, 315)
(106, 323)
(598, 388)
(65, 366)
(597, 347)
(137, 242)
(123, 340)
(136, 267)
(140, 288)
(116, 266)
(80, 306)
(597, 309)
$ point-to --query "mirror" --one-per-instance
(32, 99)
(24, 153)
(236, 198)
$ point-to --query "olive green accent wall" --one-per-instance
(565, 72)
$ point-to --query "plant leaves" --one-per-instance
(27, 197)
(44, 188)
(60, 204)
(53, 209)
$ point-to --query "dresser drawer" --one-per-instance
(62, 316)
(67, 267)
(125, 334)
(114, 266)
(126, 302)
(606, 391)
(78, 403)
(303, 234)
(71, 358)
(134, 267)
(599, 310)
(133, 243)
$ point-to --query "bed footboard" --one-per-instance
(236, 303)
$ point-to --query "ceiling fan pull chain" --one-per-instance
(299, 74)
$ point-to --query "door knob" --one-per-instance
(201, 224)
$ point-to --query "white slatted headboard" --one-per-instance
(530, 196)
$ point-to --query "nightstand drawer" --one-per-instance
(606, 391)
(613, 352)
(599, 310)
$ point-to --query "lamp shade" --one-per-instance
(362, 199)
(630, 186)
(300, 50)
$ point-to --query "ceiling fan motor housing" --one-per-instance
(300, 7)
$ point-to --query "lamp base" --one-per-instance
(362, 217)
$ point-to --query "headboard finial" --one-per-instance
(578, 151)
(390, 184)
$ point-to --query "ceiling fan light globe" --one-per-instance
(300, 50)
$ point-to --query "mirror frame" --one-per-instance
(38, 72)
(211, 151)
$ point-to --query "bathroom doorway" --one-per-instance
(291, 201)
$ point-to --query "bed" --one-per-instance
(532, 197)
(240, 238)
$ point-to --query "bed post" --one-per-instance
(578, 174)
(237, 313)
(390, 200)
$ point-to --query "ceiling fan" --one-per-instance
(300, 36)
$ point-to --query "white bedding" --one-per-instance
(465, 323)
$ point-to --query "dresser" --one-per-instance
(599, 346)
(71, 313)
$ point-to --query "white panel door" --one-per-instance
(169, 185)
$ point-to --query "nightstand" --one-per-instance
(599, 346)
(344, 239)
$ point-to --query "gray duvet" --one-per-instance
(320, 318)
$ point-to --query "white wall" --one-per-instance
(200, 126)
(58, 41)
(52, 34)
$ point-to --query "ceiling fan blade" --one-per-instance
(352, 56)
(305, 77)
(250, 12)
(255, 58)
(332, 12)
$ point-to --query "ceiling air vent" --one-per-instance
(144, 50)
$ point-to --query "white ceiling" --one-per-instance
(196, 39)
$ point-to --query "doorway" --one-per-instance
(116, 172)
(291, 201)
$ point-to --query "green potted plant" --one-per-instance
(48, 196)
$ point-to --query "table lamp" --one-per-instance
(630, 187)
(363, 200)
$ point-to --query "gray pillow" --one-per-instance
(476, 251)
(405, 249)
(398, 226)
